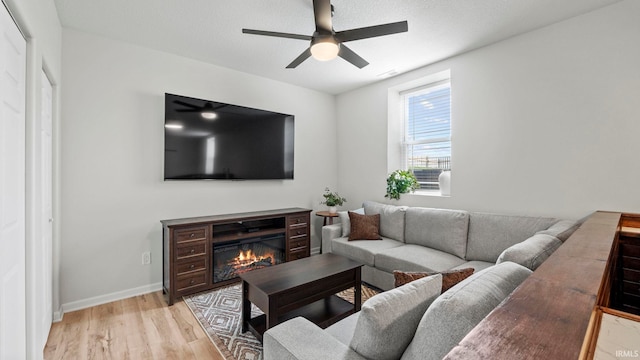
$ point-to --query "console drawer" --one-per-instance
(297, 221)
(191, 249)
(298, 232)
(191, 234)
(192, 280)
(298, 253)
(198, 264)
(296, 244)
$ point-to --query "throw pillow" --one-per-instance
(364, 227)
(387, 321)
(449, 278)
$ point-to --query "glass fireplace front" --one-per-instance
(234, 258)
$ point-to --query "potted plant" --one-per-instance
(332, 199)
(401, 182)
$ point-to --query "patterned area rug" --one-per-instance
(219, 314)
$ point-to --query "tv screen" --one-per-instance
(212, 140)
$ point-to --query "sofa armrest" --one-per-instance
(300, 339)
(532, 252)
(330, 232)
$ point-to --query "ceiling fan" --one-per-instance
(327, 43)
(207, 111)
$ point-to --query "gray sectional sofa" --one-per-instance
(415, 321)
(411, 322)
(436, 240)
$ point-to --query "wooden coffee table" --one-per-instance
(304, 287)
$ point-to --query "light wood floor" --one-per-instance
(141, 327)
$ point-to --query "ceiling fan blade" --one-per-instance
(189, 110)
(186, 104)
(352, 57)
(322, 14)
(276, 34)
(372, 31)
(304, 56)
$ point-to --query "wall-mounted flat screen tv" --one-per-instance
(210, 140)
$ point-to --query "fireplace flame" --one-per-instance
(248, 258)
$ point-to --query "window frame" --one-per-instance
(401, 95)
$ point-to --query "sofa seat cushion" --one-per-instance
(392, 218)
(439, 229)
(415, 258)
(362, 250)
(490, 234)
(388, 320)
(299, 338)
(532, 252)
(461, 308)
(476, 265)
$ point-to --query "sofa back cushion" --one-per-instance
(388, 320)
(461, 308)
(391, 218)
(490, 234)
(440, 229)
(562, 229)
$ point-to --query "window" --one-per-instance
(426, 144)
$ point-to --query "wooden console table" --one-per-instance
(556, 312)
(187, 245)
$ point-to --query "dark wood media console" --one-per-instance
(188, 245)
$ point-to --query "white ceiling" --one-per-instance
(210, 31)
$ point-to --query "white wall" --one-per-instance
(113, 193)
(543, 123)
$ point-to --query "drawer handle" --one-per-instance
(299, 232)
(298, 221)
(192, 281)
(193, 251)
(193, 234)
(192, 266)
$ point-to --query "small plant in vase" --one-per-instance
(332, 199)
(401, 182)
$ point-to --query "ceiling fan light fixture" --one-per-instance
(325, 49)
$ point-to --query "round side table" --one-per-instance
(327, 216)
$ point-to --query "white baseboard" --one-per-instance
(315, 250)
(103, 299)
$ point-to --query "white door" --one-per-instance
(44, 245)
(12, 190)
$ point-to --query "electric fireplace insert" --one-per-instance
(234, 258)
